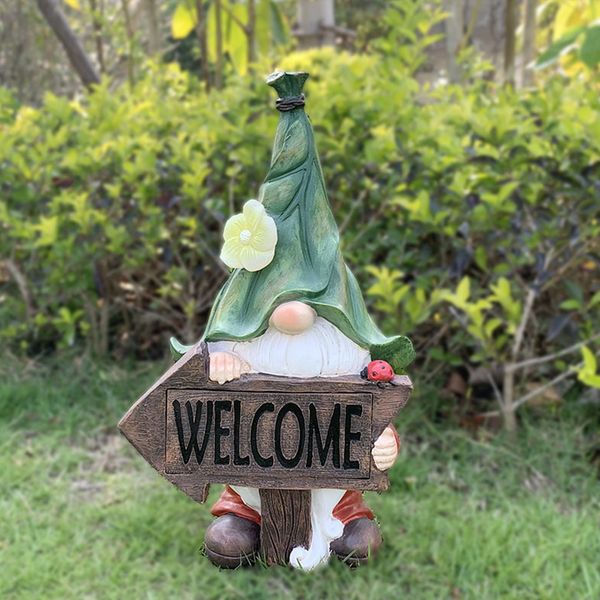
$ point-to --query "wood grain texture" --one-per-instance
(285, 523)
(149, 425)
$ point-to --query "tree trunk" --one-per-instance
(97, 25)
(201, 35)
(528, 42)
(130, 42)
(154, 39)
(251, 31)
(219, 42)
(454, 34)
(316, 23)
(510, 20)
(76, 54)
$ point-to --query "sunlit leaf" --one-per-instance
(570, 14)
(491, 326)
(73, 4)
(234, 39)
(575, 290)
(184, 19)
(570, 305)
(463, 290)
(595, 299)
(280, 31)
(554, 51)
(47, 227)
(587, 374)
(262, 32)
(589, 360)
(589, 52)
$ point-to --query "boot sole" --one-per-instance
(354, 562)
(229, 562)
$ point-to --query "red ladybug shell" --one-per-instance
(378, 370)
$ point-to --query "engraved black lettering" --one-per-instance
(237, 459)
(194, 424)
(256, 455)
(350, 436)
(289, 463)
(220, 406)
(332, 439)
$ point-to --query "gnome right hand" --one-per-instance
(225, 366)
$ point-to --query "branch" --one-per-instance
(529, 300)
(497, 392)
(16, 273)
(523, 324)
(470, 26)
(523, 399)
(566, 265)
(213, 256)
(235, 18)
(549, 357)
(338, 30)
(353, 207)
(75, 52)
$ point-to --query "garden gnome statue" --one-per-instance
(291, 307)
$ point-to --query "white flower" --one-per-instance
(250, 238)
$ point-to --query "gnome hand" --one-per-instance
(386, 449)
(225, 366)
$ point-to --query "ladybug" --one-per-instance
(378, 370)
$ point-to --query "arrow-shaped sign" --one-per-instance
(262, 431)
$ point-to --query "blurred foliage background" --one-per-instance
(460, 143)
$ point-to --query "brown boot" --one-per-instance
(231, 541)
(359, 542)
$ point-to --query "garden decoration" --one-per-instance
(288, 397)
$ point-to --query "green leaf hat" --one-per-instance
(307, 264)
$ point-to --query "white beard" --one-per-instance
(321, 351)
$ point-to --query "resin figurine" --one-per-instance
(297, 386)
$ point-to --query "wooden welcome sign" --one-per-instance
(262, 431)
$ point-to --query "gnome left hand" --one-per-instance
(386, 448)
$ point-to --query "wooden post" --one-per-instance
(285, 523)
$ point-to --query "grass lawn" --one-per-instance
(467, 517)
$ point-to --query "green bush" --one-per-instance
(476, 210)
(112, 207)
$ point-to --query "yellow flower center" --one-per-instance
(245, 236)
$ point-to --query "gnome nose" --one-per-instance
(293, 317)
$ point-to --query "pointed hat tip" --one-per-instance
(287, 83)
